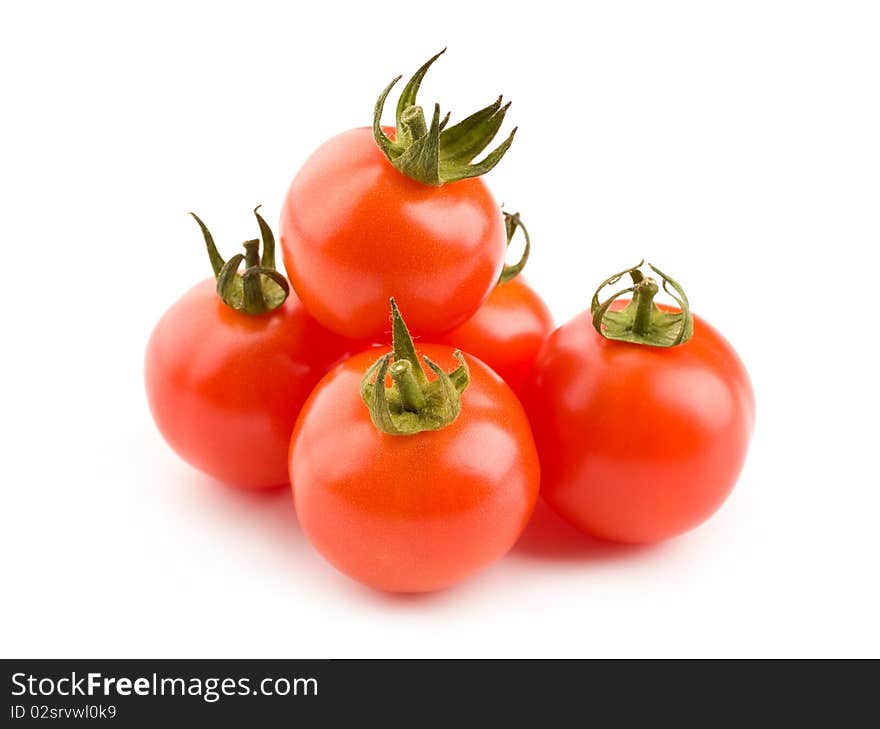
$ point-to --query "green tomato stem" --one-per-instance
(643, 300)
(412, 122)
(412, 404)
(411, 395)
(252, 289)
(641, 321)
(512, 223)
(260, 288)
(435, 154)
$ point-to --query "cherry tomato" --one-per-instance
(400, 212)
(355, 231)
(413, 513)
(506, 332)
(509, 328)
(638, 443)
(225, 386)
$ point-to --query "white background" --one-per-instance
(735, 144)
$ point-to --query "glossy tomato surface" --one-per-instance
(413, 513)
(225, 387)
(506, 332)
(638, 443)
(355, 231)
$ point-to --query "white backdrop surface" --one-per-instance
(735, 144)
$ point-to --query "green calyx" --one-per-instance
(512, 223)
(434, 154)
(642, 321)
(412, 404)
(259, 288)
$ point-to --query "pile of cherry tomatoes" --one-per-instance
(416, 462)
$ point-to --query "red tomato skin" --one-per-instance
(506, 332)
(638, 444)
(225, 387)
(413, 513)
(355, 231)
